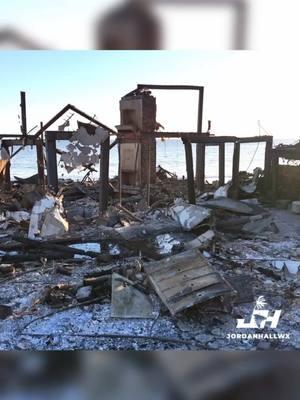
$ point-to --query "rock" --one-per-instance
(5, 312)
(84, 293)
(201, 241)
(30, 198)
(235, 206)
(263, 346)
(213, 346)
(204, 338)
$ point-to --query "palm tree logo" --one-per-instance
(260, 303)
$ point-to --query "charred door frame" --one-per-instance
(200, 89)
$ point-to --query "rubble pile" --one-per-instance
(153, 272)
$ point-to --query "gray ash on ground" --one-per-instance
(41, 309)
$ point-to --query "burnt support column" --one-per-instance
(52, 174)
(275, 167)
(200, 110)
(104, 176)
(190, 172)
(199, 152)
(236, 170)
(7, 179)
(23, 114)
(40, 162)
(268, 165)
(138, 147)
(200, 166)
(221, 164)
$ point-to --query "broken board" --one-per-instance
(186, 279)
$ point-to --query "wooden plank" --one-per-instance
(30, 141)
(184, 260)
(200, 297)
(188, 286)
(60, 135)
(194, 270)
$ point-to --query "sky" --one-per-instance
(241, 88)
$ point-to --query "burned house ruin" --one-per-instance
(155, 260)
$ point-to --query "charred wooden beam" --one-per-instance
(91, 119)
(169, 87)
(194, 137)
(52, 121)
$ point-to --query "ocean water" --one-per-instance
(170, 155)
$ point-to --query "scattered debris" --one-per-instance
(189, 216)
(145, 253)
(296, 207)
(46, 219)
(235, 206)
(251, 187)
(222, 191)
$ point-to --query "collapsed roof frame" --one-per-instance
(25, 139)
